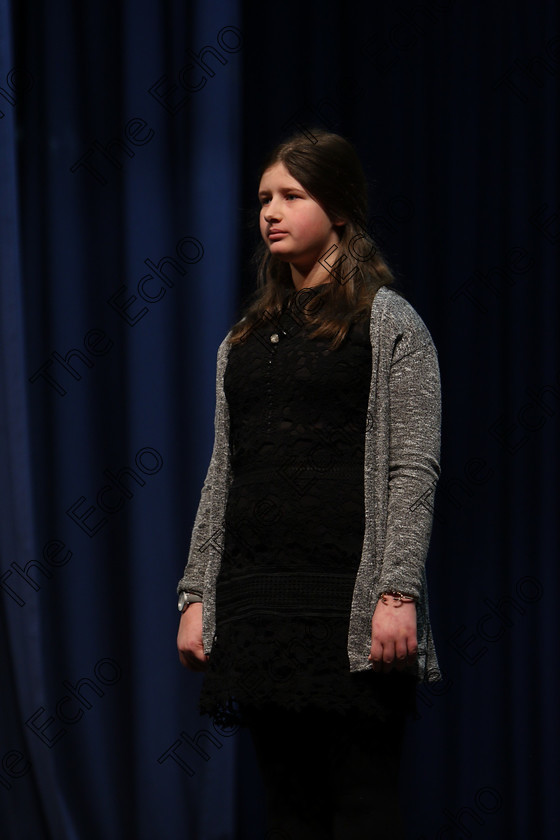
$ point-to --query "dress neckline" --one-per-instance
(310, 288)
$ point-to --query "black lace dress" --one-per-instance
(294, 528)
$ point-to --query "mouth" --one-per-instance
(274, 234)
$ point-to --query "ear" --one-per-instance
(339, 222)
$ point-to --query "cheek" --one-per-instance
(313, 225)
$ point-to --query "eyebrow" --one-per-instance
(282, 190)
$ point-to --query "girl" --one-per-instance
(304, 597)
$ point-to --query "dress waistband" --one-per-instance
(305, 471)
(308, 593)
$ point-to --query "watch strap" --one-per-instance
(186, 598)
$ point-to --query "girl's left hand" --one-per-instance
(393, 636)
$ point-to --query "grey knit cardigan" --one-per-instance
(401, 469)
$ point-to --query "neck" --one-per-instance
(308, 279)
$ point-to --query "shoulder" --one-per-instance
(222, 357)
(394, 320)
(225, 344)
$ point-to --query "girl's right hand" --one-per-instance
(189, 639)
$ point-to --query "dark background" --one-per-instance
(105, 170)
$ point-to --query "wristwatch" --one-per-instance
(186, 598)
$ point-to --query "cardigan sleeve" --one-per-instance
(207, 530)
(414, 469)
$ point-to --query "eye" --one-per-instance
(292, 195)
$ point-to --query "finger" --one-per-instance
(376, 655)
(401, 653)
(186, 660)
(388, 656)
(193, 659)
(412, 647)
(412, 654)
(195, 664)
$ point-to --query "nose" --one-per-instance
(271, 211)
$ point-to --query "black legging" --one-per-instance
(327, 777)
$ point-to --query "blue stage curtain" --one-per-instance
(130, 137)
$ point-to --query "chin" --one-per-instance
(282, 255)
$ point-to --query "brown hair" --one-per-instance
(329, 169)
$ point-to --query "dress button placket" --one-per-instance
(274, 339)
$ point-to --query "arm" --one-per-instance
(205, 534)
(415, 420)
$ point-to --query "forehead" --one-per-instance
(278, 176)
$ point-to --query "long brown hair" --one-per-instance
(329, 169)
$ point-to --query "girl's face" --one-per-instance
(293, 225)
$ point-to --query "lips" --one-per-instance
(273, 233)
